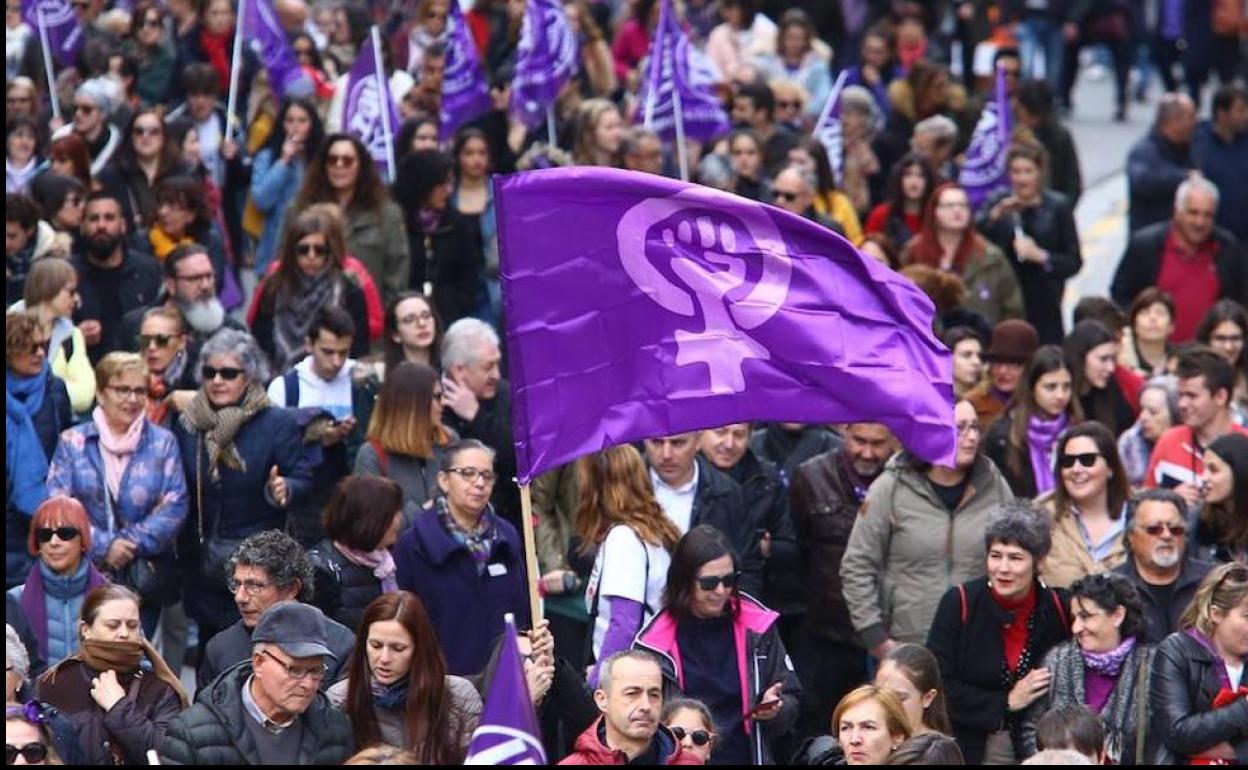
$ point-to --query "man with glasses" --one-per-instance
(267, 709)
(794, 191)
(1158, 562)
(114, 276)
(269, 567)
(94, 102)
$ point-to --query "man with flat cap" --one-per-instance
(268, 709)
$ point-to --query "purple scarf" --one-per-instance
(1109, 663)
(34, 600)
(1205, 642)
(1042, 440)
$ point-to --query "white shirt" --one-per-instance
(628, 569)
(334, 396)
(1236, 675)
(677, 502)
(210, 139)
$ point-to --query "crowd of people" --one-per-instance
(258, 426)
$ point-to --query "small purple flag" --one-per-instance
(545, 59)
(673, 307)
(465, 92)
(674, 68)
(508, 733)
(264, 30)
(64, 33)
(370, 114)
(828, 128)
(984, 171)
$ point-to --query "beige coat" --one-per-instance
(1069, 558)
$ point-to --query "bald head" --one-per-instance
(1176, 118)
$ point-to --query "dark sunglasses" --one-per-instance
(227, 373)
(44, 534)
(345, 161)
(699, 737)
(1086, 459)
(785, 196)
(1178, 530)
(33, 753)
(304, 249)
(39, 346)
(161, 340)
(711, 582)
(789, 105)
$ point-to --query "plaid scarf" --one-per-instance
(479, 542)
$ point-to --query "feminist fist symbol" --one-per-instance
(714, 264)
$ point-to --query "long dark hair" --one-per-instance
(920, 667)
(316, 133)
(893, 195)
(1046, 360)
(369, 194)
(394, 354)
(323, 219)
(462, 139)
(1117, 488)
(1081, 340)
(700, 545)
(823, 169)
(1229, 519)
(170, 159)
(428, 712)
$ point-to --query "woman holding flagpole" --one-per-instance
(278, 169)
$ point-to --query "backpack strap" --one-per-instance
(291, 381)
(962, 594)
(1061, 611)
(382, 458)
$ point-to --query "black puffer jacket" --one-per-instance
(788, 449)
(720, 502)
(1185, 681)
(344, 589)
(212, 731)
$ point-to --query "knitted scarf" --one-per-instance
(159, 385)
(35, 595)
(1067, 663)
(124, 658)
(479, 542)
(379, 561)
(1109, 663)
(18, 179)
(390, 697)
(116, 450)
(293, 316)
(1042, 441)
(163, 244)
(217, 49)
(221, 426)
(26, 464)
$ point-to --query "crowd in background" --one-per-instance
(258, 425)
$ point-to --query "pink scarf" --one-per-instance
(116, 450)
(379, 561)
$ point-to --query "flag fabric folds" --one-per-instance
(65, 36)
(369, 103)
(465, 92)
(828, 129)
(672, 307)
(508, 733)
(984, 171)
(263, 30)
(676, 68)
(545, 59)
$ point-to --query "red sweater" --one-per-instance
(1015, 633)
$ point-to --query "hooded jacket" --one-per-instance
(591, 750)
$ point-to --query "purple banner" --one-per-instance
(674, 66)
(508, 733)
(545, 59)
(465, 92)
(673, 307)
(984, 171)
(369, 104)
(65, 36)
(263, 29)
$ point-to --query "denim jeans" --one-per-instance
(1040, 38)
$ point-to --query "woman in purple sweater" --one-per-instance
(1104, 666)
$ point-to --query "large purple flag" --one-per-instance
(984, 171)
(545, 59)
(369, 113)
(508, 733)
(673, 307)
(64, 33)
(263, 29)
(465, 92)
(828, 128)
(674, 68)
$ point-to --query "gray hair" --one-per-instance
(860, 100)
(1156, 495)
(1023, 524)
(461, 345)
(606, 671)
(101, 91)
(241, 345)
(16, 653)
(1187, 186)
(1172, 105)
(1169, 385)
(277, 553)
(939, 126)
(451, 454)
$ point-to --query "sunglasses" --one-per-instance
(785, 196)
(711, 582)
(314, 249)
(1086, 459)
(39, 347)
(85, 109)
(699, 737)
(1178, 530)
(153, 23)
(33, 753)
(342, 161)
(147, 131)
(227, 373)
(44, 534)
(161, 340)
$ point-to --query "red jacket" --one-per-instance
(372, 297)
(590, 750)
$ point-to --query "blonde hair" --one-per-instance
(46, 279)
(116, 364)
(1223, 589)
(588, 115)
(894, 715)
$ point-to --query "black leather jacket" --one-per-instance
(1185, 681)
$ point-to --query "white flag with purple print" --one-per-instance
(828, 129)
(546, 58)
(984, 171)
